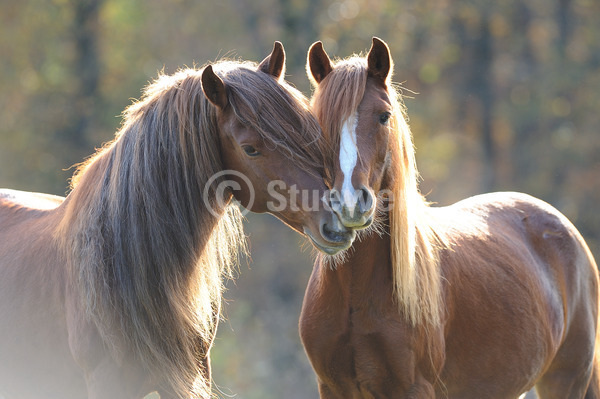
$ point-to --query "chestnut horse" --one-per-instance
(485, 298)
(114, 292)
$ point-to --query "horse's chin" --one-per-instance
(329, 247)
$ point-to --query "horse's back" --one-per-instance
(27, 199)
(519, 274)
(529, 223)
(27, 222)
(35, 359)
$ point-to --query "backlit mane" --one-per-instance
(148, 255)
(414, 243)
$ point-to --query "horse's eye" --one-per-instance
(250, 151)
(384, 118)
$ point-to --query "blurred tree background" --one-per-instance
(501, 96)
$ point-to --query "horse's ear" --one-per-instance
(214, 87)
(379, 61)
(318, 64)
(274, 64)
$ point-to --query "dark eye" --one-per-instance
(384, 118)
(250, 151)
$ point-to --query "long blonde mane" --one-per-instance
(145, 251)
(414, 244)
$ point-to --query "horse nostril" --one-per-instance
(334, 199)
(364, 196)
(365, 200)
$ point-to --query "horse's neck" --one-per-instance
(366, 273)
(81, 214)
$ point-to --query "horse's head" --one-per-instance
(356, 111)
(269, 139)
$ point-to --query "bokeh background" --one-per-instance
(501, 96)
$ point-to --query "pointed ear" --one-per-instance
(379, 61)
(214, 88)
(318, 64)
(274, 64)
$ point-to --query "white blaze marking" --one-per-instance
(348, 158)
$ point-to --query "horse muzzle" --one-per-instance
(355, 209)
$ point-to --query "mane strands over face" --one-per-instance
(335, 100)
(283, 117)
(414, 243)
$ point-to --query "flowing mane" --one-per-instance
(414, 247)
(148, 255)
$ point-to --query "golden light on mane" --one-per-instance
(414, 243)
(417, 279)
